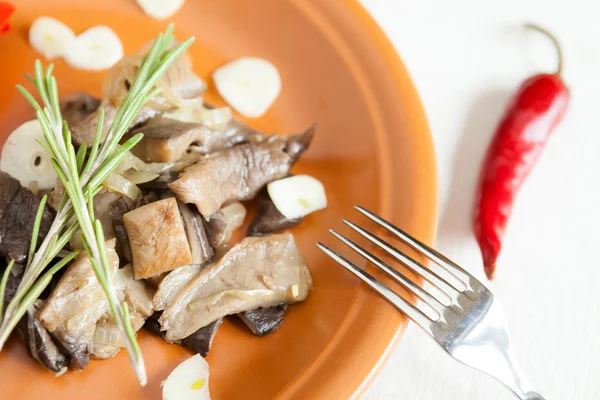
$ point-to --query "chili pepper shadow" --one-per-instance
(479, 126)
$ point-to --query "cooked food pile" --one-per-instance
(166, 215)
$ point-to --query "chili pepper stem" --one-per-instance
(554, 40)
(490, 271)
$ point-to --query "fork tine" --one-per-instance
(404, 306)
(416, 266)
(421, 247)
(417, 290)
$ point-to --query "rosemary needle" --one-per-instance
(82, 180)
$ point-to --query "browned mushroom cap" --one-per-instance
(268, 219)
(296, 145)
(39, 342)
(200, 247)
(18, 208)
(263, 321)
(199, 342)
(221, 224)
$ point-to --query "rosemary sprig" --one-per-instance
(3, 283)
(82, 180)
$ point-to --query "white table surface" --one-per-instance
(466, 57)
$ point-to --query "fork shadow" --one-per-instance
(479, 126)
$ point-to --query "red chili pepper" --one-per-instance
(535, 110)
(6, 10)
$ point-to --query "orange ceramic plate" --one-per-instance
(372, 148)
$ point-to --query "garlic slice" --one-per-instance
(50, 37)
(25, 159)
(160, 9)
(188, 381)
(249, 84)
(297, 196)
(95, 49)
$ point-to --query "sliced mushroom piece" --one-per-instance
(269, 219)
(263, 321)
(40, 343)
(167, 139)
(149, 198)
(120, 208)
(257, 272)
(37, 339)
(200, 249)
(172, 284)
(235, 214)
(153, 326)
(296, 145)
(77, 106)
(107, 340)
(105, 204)
(216, 229)
(155, 280)
(160, 183)
(201, 341)
(178, 85)
(157, 238)
(18, 208)
(76, 304)
(139, 295)
(220, 225)
(232, 175)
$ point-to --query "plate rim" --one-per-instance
(404, 86)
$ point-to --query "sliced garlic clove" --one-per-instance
(297, 196)
(250, 85)
(95, 49)
(25, 159)
(160, 9)
(50, 37)
(188, 381)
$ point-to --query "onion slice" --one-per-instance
(117, 183)
(139, 177)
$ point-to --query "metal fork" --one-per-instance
(459, 312)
